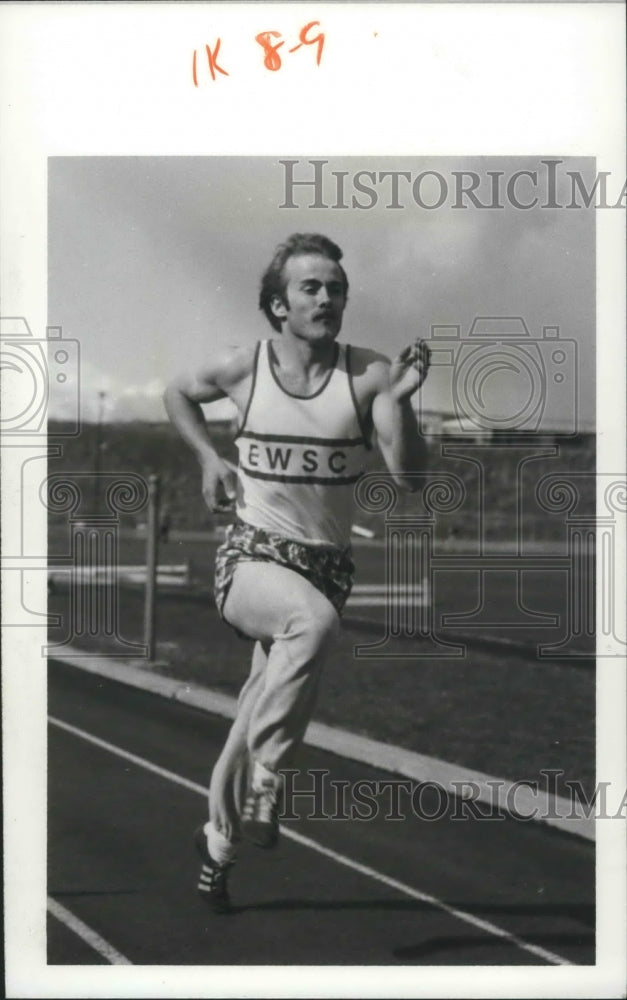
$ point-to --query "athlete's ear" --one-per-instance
(278, 307)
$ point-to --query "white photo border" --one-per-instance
(115, 79)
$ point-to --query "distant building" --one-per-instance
(436, 425)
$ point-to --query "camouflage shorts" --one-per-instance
(328, 568)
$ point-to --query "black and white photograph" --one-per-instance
(315, 518)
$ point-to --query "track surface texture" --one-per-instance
(127, 773)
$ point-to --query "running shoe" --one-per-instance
(213, 882)
(260, 816)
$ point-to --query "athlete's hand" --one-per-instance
(409, 369)
(219, 484)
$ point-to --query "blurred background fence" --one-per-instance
(500, 478)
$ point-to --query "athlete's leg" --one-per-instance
(295, 623)
(229, 778)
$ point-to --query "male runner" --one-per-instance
(308, 408)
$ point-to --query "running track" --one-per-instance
(127, 772)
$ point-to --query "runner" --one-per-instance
(309, 409)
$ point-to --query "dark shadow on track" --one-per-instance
(428, 949)
(583, 913)
(434, 946)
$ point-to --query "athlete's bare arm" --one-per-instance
(228, 375)
(390, 386)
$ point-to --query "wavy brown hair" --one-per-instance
(298, 245)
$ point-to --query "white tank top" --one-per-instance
(300, 456)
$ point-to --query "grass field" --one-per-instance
(504, 713)
(507, 609)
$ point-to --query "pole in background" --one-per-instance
(98, 450)
(152, 547)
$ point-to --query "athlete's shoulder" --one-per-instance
(367, 356)
(369, 366)
(228, 366)
(226, 369)
(234, 362)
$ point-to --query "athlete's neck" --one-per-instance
(304, 357)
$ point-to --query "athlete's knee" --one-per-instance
(327, 622)
(315, 619)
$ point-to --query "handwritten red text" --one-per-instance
(270, 42)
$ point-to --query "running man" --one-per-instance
(309, 408)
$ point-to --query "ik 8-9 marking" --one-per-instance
(272, 59)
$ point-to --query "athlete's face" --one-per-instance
(314, 298)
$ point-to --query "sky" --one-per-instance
(154, 264)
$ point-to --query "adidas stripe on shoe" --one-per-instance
(260, 816)
(213, 881)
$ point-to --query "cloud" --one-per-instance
(112, 400)
(154, 266)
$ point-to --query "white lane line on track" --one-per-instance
(342, 859)
(112, 955)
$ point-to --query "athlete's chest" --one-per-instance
(317, 438)
(288, 399)
(332, 412)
